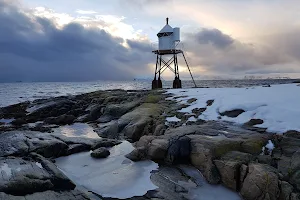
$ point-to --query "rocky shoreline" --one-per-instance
(236, 156)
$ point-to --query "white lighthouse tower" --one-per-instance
(168, 40)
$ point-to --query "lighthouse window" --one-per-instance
(164, 34)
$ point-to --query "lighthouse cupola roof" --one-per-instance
(166, 30)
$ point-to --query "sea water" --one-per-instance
(12, 93)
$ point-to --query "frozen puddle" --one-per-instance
(199, 189)
(115, 176)
(77, 130)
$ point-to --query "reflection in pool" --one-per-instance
(77, 130)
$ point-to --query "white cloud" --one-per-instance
(112, 24)
(86, 12)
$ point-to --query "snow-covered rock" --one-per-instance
(278, 106)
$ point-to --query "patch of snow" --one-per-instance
(39, 165)
(6, 121)
(6, 169)
(18, 169)
(270, 146)
(77, 130)
(173, 119)
(263, 150)
(115, 176)
(192, 119)
(278, 106)
(32, 125)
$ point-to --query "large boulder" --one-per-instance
(61, 120)
(229, 167)
(114, 111)
(179, 150)
(229, 171)
(157, 149)
(295, 180)
(137, 154)
(140, 121)
(108, 130)
(261, 183)
(285, 191)
(21, 177)
(48, 145)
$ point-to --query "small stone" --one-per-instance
(254, 122)
(100, 153)
(232, 113)
(191, 100)
(210, 102)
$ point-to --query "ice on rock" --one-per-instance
(115, 176)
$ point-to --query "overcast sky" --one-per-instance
(82, 40)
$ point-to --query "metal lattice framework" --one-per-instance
(162, 65)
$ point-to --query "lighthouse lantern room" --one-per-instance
(168, 44)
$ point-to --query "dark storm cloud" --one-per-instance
(219, 53)
(214, 37)
(34, 49)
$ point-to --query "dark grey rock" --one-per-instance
(285, 190)
(21, 177)
(19, 122)
(105, 143)
(47, 145)
(48, 195)
(232, 113)
(210, 102)
(159, 130)
(108, 130)
(295, 180)
(261, 183)
(102, 152)
(191, 100)
(77, 148)
(254, 122)
(179, 150)
(137, 154)
(61, 120)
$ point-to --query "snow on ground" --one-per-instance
(173, 119)
(192, 119)
(77, 130)
(6, 121)
(115, 176)
(278, 106)
(270, 146)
